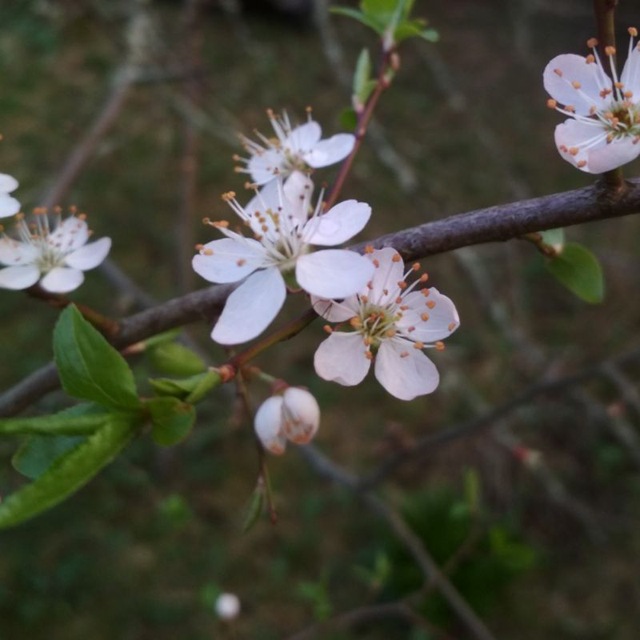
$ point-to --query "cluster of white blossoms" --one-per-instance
(603, 131)
(292, 415)
(388, 322)
(51, 251)
(9, 206)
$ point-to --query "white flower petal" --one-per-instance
(342, 358)
(630, 77)
(8, 183)
(612, 155)
(405, 372)
(335, 311)
(330, 151)
(333, 273)
(13, 252)
(429, 318)
(62, 280)
(569, 68)
(8, 206)
(575, 135)
(19, 277)
(251, 307)
(338, 225)
(265, 166)
(389, 271)
(300, 414)
(303, 138)
(230, 260)
(71, 234)
(268, 425)
(89, 256)
(297, 190)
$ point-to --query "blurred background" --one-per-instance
(533, 515)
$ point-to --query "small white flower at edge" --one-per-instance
(9, 206)
(293, 149)
(54, 253)
(604, 130)
(278, 216)
(388, 322)
(293, 415)
(227, 606)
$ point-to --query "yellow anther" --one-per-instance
(396, 257)
(633, 32)
(376, 263)
(424, 316)
(590, 59)
(415, 266)
(574, 151)
(576, 85)
(229, 195)
(207, 252)
(592, 43)
(582, 163)
(418, 345)
(558, 72)
(327, 329)
(452, 326)
(424, 277)
(241, 262)
(610, 51)
(355, 322)
(369, 249)
(431, 304)
(552, 104)
(439, 345)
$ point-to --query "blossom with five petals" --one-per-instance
(278, 216)
(604, 130)
(293, 149)
(9, 206)
(391, 322)
(56, 254)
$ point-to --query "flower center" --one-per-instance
(376, 323)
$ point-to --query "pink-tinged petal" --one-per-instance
(13, 252)
(62, 280)
(251, 307)
(71, 234)
(428, 318)
(335, 311)
(570, 80)
(405, 372)
(303, 138)
(330, 151)
(8, 206)
(342, 358)
(630, 77)
(338, 225)
(268, 425)
(265, 166)
(20, 277)
(89, 256)
(229, 260)
(7, 183)
(333, 273)
(389, 271)
(612, 155)
(572, 136)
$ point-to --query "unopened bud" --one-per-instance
(268, 425)
(300, 415)
(227, 606)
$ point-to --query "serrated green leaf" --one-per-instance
(68, 473)
(79, 420)
(171, 419)
(90, 368)
(579, 270)
(254, 509)
(175, 359)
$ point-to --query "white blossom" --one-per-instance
(284, 231)
(9, 206)
(50, 250)
(293, 149)
(292, 415)
(603, 131)
(388, 322)
(227, 606)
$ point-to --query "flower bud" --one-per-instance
(300, 415)
(227, 606)
(268, 425)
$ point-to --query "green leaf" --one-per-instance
(579, 270)
(359, 17)
(90, 368)
(172, 420)
(254, 509)
(192, 389)
(175, 359)
(38, 453)
(68, 473)
(80, 420)
(554, 238)
(362, 78)
(348, 119)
